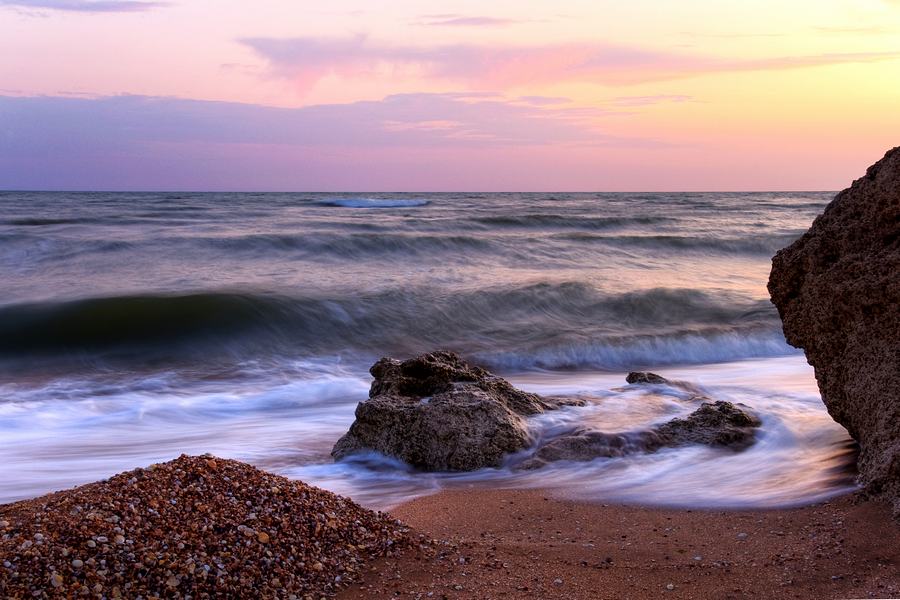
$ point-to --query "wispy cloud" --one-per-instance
(544, 100)
(307, 60)
(455, 20)
(648, 100)
(870, 30)
(97, 6)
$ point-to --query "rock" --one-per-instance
(837, 290)
(718, 424)
(645, 377)
(437, 413)
(584, 445)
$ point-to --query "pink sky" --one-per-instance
(591, 96)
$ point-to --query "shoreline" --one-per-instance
(264, 535)
(528, 544)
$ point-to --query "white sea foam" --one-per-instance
(90, 429)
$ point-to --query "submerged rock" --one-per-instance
(437, 413)
(718, 424)
(837, 290)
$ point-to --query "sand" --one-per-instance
(528, 544)
(204, 527)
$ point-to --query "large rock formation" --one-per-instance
(837, 289)
(437, 413)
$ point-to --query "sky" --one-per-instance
(394, 95)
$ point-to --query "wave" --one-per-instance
(758, 245)
(688, 348)
(343, 245)
(568, 325)
(370, 202)
(125, 322)
(558, 221)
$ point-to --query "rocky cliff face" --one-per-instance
(837, 289)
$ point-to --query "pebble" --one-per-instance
(172, 546)
(670, 587)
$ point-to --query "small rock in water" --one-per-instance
(645, 377)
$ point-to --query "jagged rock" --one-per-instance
(718, 424)
(837, 290)
(645, 377)
(437, 413)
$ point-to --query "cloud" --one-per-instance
(543, 100)
(306, 60)
(870, 30)
(648, 100)
(419, 140)
(452, 20)
(86, 5)
(413, 120)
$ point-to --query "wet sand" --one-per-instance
(529, 544)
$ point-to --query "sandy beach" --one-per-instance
(530, 544)
(200, 527)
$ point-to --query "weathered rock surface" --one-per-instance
(837, 290)
(645, 377)
(437, 413)
(718, 424)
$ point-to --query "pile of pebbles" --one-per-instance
(196, 527)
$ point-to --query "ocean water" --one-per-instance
(138, 326)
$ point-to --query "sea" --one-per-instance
(135, 327)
